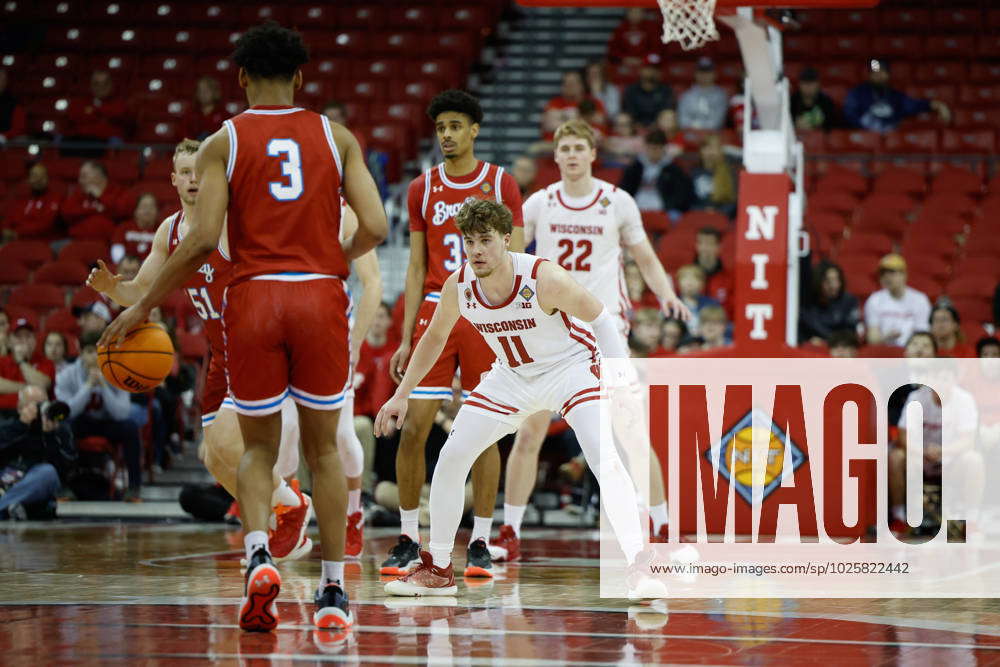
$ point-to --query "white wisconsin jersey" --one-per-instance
(522, 336)
(585, 235)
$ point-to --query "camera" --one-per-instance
(54, 411)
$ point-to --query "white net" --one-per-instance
(691, 23)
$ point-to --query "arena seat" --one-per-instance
(900, 181)
(38, 297)
(972, 310)
(656, 222)
(13, 273)
(63, 321)
(977, 140)
(63, 272)
(30, 254)
(957, 179)
(84, 252)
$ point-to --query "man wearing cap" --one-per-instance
(21, 368)
(93, 317)
(895, 311)
(812, 109)
(648, 96)
(704, 105)
(98, 409)
(875, 106)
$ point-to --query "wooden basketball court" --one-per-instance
(155, 593)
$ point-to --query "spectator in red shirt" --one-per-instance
(102, 117)
(566, 105)
(373, 384)
(634, 38)
(93, 210)
(135, 237)
(719, 282)
(11, 113)
(33, 216)
(207, 114)
(947, 331)
(22, 367)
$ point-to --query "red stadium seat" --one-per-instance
(972, 310)
(957, 19)
(978, 94)
(84, 297)
(30, 254)
(970, 284)
(843, 203)
(870, 243)
(984, 72)
(361, 89)
(841, 72)
(695, 220)
(949, 46)
(260, 13)
(988, 45)
(70, 38)
(899, 46)
(912, 141)
(942, 204)
(449, 73)
(470, 17)
(397, 43)
(38, 297)
(982, 140)
(900, 181)
(860, 272)
(457, 45)
(365, 16)
(68, 273)
(845, 46)
(959, 180)
(63, 321)
(84, 252)
(419, 92)
(13, 273)
(421, 19)
(193, 347)
(938, 72)
(929, 243)
(16, 312)
(853, 141)
(904, 20)
(316, 15)
(656, 222)
(972, 118)
(840, 178)
(814, 141)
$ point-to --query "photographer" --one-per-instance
(36, 450)
(98, 409)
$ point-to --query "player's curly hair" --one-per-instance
(269, 51)
(458, 101)
(481, 216)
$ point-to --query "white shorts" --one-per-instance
(511, 398)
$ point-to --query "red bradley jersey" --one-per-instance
(433, 200)
(284, 176)
(207, 288)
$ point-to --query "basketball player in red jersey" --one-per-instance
(435, 253)
(277, 170)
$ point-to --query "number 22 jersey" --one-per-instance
(433, 200)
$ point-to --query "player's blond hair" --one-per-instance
(576, 128)
(186, 147)
(481, 216)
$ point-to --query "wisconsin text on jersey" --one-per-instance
(506, 325)
(576, 229)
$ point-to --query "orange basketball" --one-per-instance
(141, 361)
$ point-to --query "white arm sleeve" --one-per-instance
(609, 341)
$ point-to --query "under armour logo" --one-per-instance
(437, 188)
(470, 304)
(207, 271)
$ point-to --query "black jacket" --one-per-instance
(821, 320)
(24, 445)
(674, 185)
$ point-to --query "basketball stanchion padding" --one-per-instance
(142, 360)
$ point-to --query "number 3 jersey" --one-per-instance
(433, 200)
(523, 337)
(284, 177)
(585, 235)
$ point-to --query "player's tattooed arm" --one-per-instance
(126, 292)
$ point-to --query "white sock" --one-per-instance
(442, 557)
(333, 573)
(410, 523)
(659, 515)
(899, 512)
(255, 539)
(353, 501)
(512, 516)
(481, 526)
(284, 495)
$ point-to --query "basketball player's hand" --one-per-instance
(102, 280)
(390, 417)
(127, 320)
(397, 364)
(672, 306)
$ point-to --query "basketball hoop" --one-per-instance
(690, 23)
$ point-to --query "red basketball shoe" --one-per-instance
(426, 579)
(288, 539)
(355, 535)
(506, 546)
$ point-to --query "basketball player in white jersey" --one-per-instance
(582, 223)
(531, 313)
